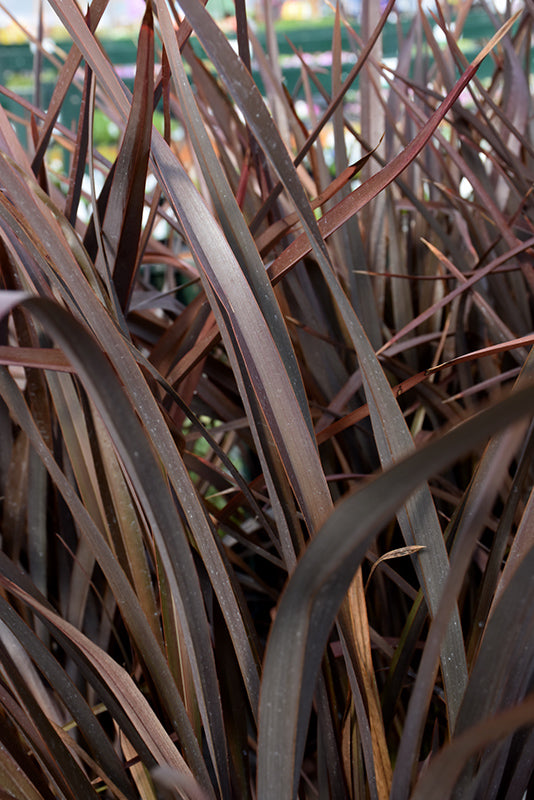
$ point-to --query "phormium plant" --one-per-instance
(266, 457)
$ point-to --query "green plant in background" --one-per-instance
(258, 537)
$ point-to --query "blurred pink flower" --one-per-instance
(135, 8)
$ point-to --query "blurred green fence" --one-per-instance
(16, 61)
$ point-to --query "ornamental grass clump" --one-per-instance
(266, 452)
